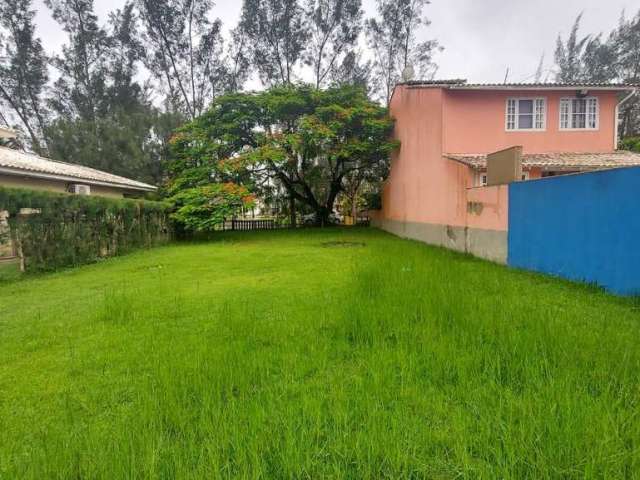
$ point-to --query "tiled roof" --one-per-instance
(16, 162)
(462, 84)
(562, 161)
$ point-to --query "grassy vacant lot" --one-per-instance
(292, 355)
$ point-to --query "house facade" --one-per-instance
(24, 170)
(447, 130)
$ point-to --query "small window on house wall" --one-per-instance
(526, 114)
(579, 113)
(481, 179)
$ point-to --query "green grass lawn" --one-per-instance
(315, 354)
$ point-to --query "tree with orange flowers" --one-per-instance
(310, 142)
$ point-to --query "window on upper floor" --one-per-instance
(526, 114)
(579, 113)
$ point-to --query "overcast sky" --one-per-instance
(482, 38)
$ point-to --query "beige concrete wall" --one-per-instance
(14, 181)
(504, 166)
(484, 233)
(488, 244)
(11, 181)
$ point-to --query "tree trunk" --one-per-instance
(292, 211)
(354, 208)
(322, 216)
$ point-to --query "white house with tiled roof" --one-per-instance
(24, 170)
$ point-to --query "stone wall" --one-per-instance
(6, 248)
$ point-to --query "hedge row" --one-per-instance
(51, 230)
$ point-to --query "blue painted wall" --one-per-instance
(582, 227)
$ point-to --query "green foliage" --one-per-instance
(202, 208)
(373, 200)
(393, 38)
(104, 117)
(335, 28)
(71, 230)
(119, 142)
(185, 52)
(277, 34)
(630, 143)
(23, 69)
(308, 141)
(614, 58)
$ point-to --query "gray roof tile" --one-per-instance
(560, 161)
(462, 84)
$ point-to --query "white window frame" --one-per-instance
(482, 177)
(516, 114)
(587, 113)
(480, 181)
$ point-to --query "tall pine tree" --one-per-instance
(186, 53)
(277, 34)
(335, 26)
(393, 38)
(103, 117)
(23, 72)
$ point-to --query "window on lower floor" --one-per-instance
(481, 178)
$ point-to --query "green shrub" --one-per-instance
(69, 230)
(373, 200)
(630, 143)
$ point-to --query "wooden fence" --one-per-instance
(247, 225)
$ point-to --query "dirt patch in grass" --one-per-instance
(339, 244)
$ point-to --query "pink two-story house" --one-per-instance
(435, 190)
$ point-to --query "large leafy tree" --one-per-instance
(276, 33)
(23, 71)
(311, 142)
(393, 37)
